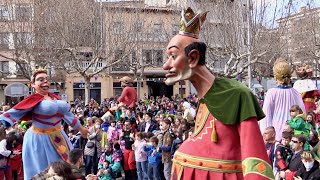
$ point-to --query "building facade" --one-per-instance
(300, 36)
(137, 32)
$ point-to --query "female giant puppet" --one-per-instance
(226, 143)
(306, 87)
(279, 99)
(44, 142)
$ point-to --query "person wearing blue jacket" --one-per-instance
(154, 159)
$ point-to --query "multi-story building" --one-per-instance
(137, 32)
(15, 37)
(300, 35)
(20, 50)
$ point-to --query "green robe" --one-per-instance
(232, 102)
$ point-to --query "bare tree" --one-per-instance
(241, 34)
(18, 37)
(85, 37)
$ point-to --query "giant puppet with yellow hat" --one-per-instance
(226, 143)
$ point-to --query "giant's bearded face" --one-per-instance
(178, 62)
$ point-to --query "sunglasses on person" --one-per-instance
(292, 110)
(295, 141)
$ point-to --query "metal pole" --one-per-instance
(138, 88)
(101, 26)
(317, 74)
(249, 43)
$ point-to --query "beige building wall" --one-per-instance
(106, 86)
(159, 24)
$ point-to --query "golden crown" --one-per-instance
(190, 23)
(38, 69)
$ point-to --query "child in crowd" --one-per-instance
(297, 122)
(113, 132)
(283, 153)
(74, 138)
(140, 156)
(310, 124)
(105, 173)
(177, 141)
(154, 159)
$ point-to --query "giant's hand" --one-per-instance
(83, 131)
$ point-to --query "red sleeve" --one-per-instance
(123, 94)
(255, 161)
(282, 164)
(290, 175)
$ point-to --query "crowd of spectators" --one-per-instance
(297, 155)
(139, 143)
(129, 143)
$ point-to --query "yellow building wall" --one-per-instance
(106, 86)
(107, 90)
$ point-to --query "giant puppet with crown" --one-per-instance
(306, 87)
(226, 142)
(45, 142)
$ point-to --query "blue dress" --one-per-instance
(45, 142)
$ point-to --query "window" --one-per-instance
(22, 69)
(23, 12)
(118, 55)
(117, 91)
(158, 54)
(157, 28)
(4, 40)
(152, 57)
(182, 83)
(118, 27)
(4, 68)
(4, 13)
(85, 55)
(123, 65)
(133, 56)
(147, 56)
(23, 39)
(182, 91)
(138, 27)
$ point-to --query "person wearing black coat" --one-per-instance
(310, 170)
(149, 124)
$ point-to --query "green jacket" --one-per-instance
(316, 151)
(299, 125)
(115, 166)
(308, 126)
